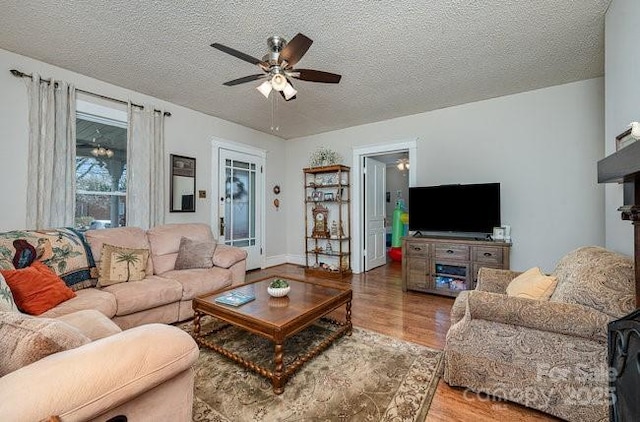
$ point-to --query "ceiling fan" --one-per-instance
(277, 66)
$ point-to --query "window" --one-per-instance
(101, 167)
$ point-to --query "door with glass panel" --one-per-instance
(240, 202)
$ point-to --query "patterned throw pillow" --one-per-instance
(7, 304)
(36, 289)
(119, 265)
(194, 254)
(26, 339)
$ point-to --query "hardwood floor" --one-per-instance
(380, 305)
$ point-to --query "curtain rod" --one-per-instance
(19, 74)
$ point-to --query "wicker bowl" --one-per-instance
(278, 291)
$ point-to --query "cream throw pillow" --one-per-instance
(532, 284)
(26, 339)
(119, 265)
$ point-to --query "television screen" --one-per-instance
(455, 208)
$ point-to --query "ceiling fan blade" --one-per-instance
(295, 49)
(244, 79)
(316, 76)
(239, 54)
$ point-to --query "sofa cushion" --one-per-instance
(7, 304)
(532, 284)
(119, 265)
(195, 254)
(596, 277)
(93, 298)
(64, 250)
(36, 289)
(126, 237)
(151, 292)
(198, 281)
(26, 339)
(91, 323)
(165, 242)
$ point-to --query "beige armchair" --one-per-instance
(548, 355)
(144, 373)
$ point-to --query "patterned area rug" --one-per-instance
(363, 377)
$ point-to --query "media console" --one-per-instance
(445, 265)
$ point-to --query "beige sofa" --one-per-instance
(165, 295)
(548, 355)
(144, 373)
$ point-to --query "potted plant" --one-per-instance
(278, 288)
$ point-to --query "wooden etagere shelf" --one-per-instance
(327, 216)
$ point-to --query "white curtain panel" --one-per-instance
(52, 154)
(145, 167)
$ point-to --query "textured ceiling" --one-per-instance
(397, 57)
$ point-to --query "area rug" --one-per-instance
(362, 377)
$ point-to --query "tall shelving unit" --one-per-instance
(327, 216)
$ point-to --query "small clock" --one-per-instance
(320, 227)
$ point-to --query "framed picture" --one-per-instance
(317, 195)
(498, 233)
(328, 196)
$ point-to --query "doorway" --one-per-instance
(367, 206)
(239, 187)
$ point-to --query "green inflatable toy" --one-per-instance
(397, 227)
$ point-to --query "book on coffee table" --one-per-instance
(235, 298)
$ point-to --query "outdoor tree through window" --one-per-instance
(101, 171)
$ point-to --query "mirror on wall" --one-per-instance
(183, 184)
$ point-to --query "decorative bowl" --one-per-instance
(278, 291)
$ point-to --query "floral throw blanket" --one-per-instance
(64, 250)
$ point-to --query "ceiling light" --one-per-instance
(102, 152)
(402, 164)
(289, 92)
(278, 82)
(265, 88)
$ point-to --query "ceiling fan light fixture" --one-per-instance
(279, 82)
(265, 88)
(289, 91)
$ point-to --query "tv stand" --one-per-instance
(448, 265)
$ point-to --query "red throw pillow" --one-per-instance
(36, 289)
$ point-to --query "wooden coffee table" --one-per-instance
(275, 319)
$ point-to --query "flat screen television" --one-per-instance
(455, 208)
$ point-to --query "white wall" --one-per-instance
(622, 104)
(542, 146)
(187, 133)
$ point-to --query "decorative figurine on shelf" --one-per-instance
(334, 230)
(328, 249)
(344, 262)
(320, 228)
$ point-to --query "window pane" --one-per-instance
(101, 173)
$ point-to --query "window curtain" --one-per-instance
(145, 167)
(52, 154)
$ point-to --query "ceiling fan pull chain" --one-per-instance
(274, 110)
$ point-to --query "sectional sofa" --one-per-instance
(113, 353)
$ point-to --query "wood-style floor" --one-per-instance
(380, 305)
